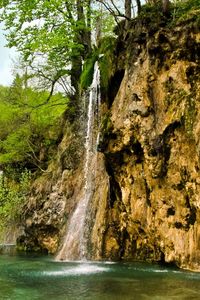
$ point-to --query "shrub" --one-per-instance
(12, 198)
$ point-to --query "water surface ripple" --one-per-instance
(41, 278)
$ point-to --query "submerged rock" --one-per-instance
(8, 249)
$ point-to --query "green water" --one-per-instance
(30, 278)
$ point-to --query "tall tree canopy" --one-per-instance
(52, 35)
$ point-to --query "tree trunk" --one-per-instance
(127, 12)
(82, 37)
(165, 6)
(128, 9)
(77, 52)
(98, 26)
(138, 6)
(88, 28)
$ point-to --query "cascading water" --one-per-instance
(74, 246)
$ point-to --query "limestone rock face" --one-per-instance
(53, 197)
(152, 150)
(145, 203)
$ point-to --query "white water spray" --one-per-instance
(75, 243)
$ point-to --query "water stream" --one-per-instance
(74, 246)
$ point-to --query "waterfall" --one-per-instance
(75, 242)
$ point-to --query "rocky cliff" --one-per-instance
(152, 145)
(146, 197)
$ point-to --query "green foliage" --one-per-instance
(54, 37)
(179, 10)
(104, 22)
(104, 54)
(183, 9)
(42, 27)
(88, 70)
(150, 7)
(151, 12)
(106, 61)
(51, 36)
(105, 132)
(14, 147)
(106, 126)
(12, 197)
(29, 124)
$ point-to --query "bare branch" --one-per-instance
(34, 157)
(113, 10)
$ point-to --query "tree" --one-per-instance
(128, 8)
(165, 6)
(53, 36)
(27, 126)
(121, 9)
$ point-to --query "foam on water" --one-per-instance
(83, 269)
